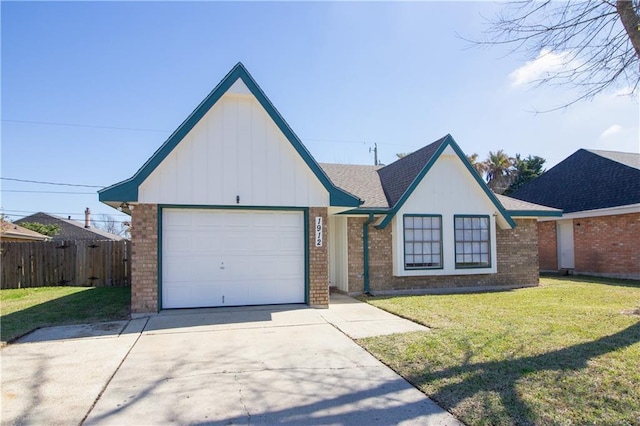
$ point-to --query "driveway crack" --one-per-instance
(246, 409)
(114, 373)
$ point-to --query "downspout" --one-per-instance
(365, 251)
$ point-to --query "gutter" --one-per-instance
(365, 251)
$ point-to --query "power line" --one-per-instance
(75, 219)
(91, 126)
(65, 213)
(48, 192)
(50, 183)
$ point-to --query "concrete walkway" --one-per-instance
(256, 365)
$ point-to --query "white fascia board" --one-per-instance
(609, 211)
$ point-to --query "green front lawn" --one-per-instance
(567, 352)
(24, 310)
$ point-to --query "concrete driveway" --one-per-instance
(256, 365)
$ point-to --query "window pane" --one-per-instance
(484, 258)
(484, 247)
(484, 234)
(475, 247)
(422, 235)
(484, 223)
(476, 235)
(467, 223)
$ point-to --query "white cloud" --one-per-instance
(546, 62)
(612, 130)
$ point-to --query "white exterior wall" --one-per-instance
(448, 189)
(338, 253)
(234, 150)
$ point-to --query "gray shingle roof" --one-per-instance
(512, 204)
(398, 176)
(361, 181)
(630, 159)
(586, 180)
(69, 229)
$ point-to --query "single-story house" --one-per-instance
(599, 231)
(13, 232)
(71, 229)
(233, 210)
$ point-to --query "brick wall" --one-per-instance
(547, 246)
(517, 258)
(144, 259)
(608, 245)
(318, 260)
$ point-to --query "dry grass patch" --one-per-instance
(562, 353)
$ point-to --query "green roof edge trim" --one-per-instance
(127, 190)
(448, 141)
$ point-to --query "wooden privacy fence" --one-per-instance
(65, 263)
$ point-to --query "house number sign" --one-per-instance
(319, 231)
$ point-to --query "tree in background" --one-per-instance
(49, 230)
(526, 170)
(108, 224)
(593, 44)
(499, 171)
(479, 166)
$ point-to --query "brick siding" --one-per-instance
(608, 245)
(517, 258)
(144, 259)
(318, 260)
(547, 246)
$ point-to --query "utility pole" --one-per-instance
(375, 154)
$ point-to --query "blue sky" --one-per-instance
(90, 90)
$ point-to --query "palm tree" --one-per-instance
(479, 166)
(499, 168)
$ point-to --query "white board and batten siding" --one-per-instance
(213, 257)
(448, 189)
(235, 150)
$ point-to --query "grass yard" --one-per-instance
(24, 310)
(564, 353)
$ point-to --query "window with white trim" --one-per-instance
(422, 241)
(473, 242)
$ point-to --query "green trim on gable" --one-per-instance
(127, 190)
(448, 141)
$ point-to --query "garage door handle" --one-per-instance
(221, 265)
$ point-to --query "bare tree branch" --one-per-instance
(594, 45)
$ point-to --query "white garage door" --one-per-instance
(231, 258)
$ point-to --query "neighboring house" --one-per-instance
(233, 210)
(71, 229)
(13, 232)
(599, 231)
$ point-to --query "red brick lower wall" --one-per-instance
(517, 258)
(144, 259)
(608, 245)
(547, 246)
(318, 260)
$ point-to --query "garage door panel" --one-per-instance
(231, 257)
